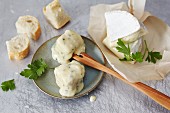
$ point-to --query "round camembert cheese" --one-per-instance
(123, 25)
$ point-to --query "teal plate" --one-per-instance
(46, 82)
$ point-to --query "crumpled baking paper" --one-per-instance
(158, 38)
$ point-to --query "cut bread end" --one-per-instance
(18, 47)
(30, 25)
(56, 15)
(37, 33)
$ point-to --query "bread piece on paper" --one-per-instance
(55, 14)
(18, 47)
(30, 25)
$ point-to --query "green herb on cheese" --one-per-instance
(138, 56)
(128, 56)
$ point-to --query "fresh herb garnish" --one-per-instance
(8, 85)
(152, 56)
(128, 56)
(138, 56)
(36, 69)
(123, 49)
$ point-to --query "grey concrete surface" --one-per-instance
(113, 96)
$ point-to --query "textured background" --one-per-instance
(113, 96)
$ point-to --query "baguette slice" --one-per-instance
(55, 14)
(30, 25)
(18, 47)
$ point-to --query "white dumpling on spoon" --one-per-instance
(66, 45)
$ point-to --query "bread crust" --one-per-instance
(21, 29)
(18, 55)
(61, 20)
(37, 33)
(23, 54)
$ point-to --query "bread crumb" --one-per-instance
(92, 98)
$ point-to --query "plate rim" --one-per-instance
(73, 97)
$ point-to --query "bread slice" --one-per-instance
(55, 14)
(30, 25)
(18, 47)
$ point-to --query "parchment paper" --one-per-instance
(158, 39)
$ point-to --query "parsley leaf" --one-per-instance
(128, 56)
(122, 48)
(36, 69)
(152, 56)
(8, 85)
(138, 56)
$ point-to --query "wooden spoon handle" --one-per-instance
(157, 96)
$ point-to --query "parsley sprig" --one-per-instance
(152, 56)
(36, 69)
(128, 56)
(138, 56)
(8, 85)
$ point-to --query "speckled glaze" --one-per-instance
(46, 82)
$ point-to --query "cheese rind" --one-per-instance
(120, 24)
(128, 39)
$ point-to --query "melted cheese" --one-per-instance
(67, 44)
(92, 98)
(69, 77)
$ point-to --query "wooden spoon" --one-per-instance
(157, 96)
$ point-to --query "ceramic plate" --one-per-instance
(46, 82)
